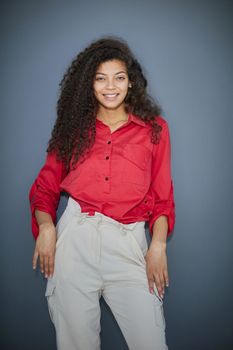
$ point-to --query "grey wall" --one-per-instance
(186, 50)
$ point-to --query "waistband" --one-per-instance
(74, 207)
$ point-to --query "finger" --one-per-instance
(41, 263)
(46, 266)
(34, 259)
(159, 285)
(166, 278)
(163, 282)
(51, 265)
(151, 284)
(150, 279)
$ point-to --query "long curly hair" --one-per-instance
(74, 130)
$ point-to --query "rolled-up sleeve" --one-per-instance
(44, 194)
(162, 183)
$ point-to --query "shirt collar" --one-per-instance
(136, 120)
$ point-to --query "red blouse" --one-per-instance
(125, 176)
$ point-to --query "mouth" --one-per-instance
(110, 96)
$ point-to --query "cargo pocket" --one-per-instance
(158, 309)
(50, 296)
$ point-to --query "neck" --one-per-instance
(111, 115)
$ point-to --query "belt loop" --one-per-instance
(122, 229)
(82, 218)
(100, 219)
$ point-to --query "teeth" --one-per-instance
(110, 95)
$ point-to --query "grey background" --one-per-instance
(186, 51)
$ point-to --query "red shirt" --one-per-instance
(125, 176)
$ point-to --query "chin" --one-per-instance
(112, 106)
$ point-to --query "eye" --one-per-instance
(99, 78)
(121, 78)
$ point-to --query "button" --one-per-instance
(145, 201)
(109, 142)
(107, 157)
(149, 213)
(106, 178)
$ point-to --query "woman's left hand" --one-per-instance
(156, 267)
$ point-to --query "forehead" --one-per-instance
(112, 65)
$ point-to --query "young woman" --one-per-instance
(110, 151)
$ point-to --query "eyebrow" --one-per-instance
(122, 71)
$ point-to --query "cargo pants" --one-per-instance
(99, 256)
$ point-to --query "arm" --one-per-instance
(162, 220)
(44, 193)
(44, 198)
(162, 184)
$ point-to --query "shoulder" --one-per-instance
(160, 120)
(165, 132)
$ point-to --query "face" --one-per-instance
(111, 84)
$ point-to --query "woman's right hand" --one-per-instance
(45, 249)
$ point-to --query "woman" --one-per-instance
(110, 151)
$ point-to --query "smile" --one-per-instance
(110, 95)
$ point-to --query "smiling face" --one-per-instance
(111, 84)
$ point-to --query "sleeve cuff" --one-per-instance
(170, 213)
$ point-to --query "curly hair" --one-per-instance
(74, 130)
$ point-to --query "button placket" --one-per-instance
(147, 206)
(108, 166)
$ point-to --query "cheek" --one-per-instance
(125, 87)
(96, 87)
(126, 90)
(96, 91)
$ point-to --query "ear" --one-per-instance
(130, 85)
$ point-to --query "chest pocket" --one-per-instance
(135, 163)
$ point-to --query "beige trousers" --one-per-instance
(97, 255)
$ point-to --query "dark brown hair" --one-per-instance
(74, 131)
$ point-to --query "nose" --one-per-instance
(110, 84)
